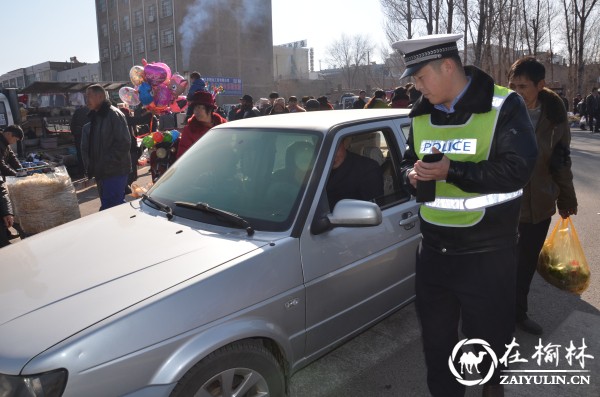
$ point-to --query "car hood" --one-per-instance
(59, 282)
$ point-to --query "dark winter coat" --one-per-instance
(509, 166)
(105, 143)
(8, 161)
(552, 178)
(5, 204)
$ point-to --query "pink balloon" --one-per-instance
(176, 107)
(166, 68)
(155, 74)
(162, 95)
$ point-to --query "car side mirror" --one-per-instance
(355, 213)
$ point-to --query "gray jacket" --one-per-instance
(5, 204)
(105, 143)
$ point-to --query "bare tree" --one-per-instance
(349, 53)
(399, 19)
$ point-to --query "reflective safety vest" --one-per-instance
(471, 142)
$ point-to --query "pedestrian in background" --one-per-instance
(551, 182)
(592, 106)
(360, 101)
(378, 101)
(293, 106)
(400, 99)
(9, 164)
(197, 84)
(466, 261)
(105, 145)
(247, 108)
(279, 107)
(78, 120)
(204, 118)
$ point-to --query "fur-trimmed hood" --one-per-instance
(553, 107)
(477, 99)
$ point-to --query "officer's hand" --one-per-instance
(567, 212)
(412, 178)
(432, 171)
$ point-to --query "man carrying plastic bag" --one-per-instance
(551, 183)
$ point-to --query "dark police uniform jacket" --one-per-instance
(508, 168)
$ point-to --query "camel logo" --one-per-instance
(469, 362)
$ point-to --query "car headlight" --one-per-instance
(48, 384)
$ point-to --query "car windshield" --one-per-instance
(258, 174)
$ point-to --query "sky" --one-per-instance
(37, 31)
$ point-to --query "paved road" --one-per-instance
(387, 359)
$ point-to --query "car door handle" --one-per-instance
(408, 218)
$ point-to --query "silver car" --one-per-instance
(230, 275)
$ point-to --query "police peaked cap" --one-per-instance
(422, 50)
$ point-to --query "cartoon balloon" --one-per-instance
(148, 142)
(145, 93)
(129, 96)
(157, 136)
(177, 84)
(162, 95)
(156, 74)
(179, 105)
(136, 75)
(175, 134)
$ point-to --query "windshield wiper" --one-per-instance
(159, 205)
(233, 218)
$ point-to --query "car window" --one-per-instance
(381, 148)
(259, 174)
(405, 130)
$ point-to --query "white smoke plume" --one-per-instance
(199, 17)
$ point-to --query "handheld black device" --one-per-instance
(426, 189)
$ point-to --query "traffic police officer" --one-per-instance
(466, 263)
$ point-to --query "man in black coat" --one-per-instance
(353, 177)
(105, 148)
(8, 161)
(592, 105)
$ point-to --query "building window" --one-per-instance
(166, 39)
(104, 30)
(126, 25)
(139, 44)
(115, 25)
(102, 5)
(126, 47)
(111, 4)
(138, 18)
(166, 8)
(153, 41)
(105, 54)
(151, 13)
(115, 51)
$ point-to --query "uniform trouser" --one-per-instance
(478, 289)
(531, 241)
(111, 191)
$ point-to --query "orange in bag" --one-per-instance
(562, 262)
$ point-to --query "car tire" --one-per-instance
(244, 369)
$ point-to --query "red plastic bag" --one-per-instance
(562, 262)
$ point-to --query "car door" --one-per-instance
(357, 275)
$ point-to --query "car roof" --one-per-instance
(317, 120)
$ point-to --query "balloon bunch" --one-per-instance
(155, 88)
(215, 90)
(157, 137)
